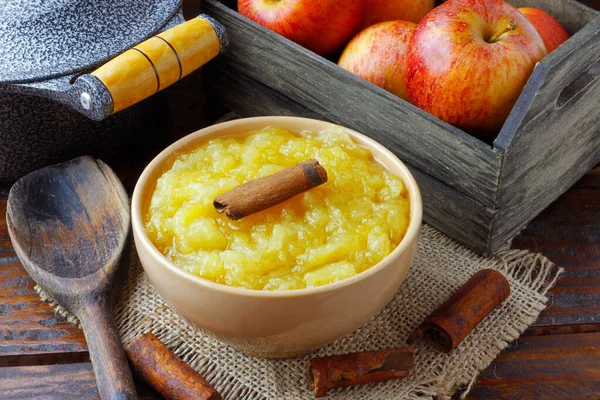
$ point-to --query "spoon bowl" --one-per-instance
(70, 227)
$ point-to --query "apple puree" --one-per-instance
(326, 234)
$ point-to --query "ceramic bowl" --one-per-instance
(275, 324)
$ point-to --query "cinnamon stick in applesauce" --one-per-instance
(265, 192)
(447, 326)
(166, 372)
(326, 373)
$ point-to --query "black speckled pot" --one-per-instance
(46, 50)
(37, 131)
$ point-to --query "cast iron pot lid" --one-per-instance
(41, 39)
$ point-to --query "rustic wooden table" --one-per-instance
(44, 356)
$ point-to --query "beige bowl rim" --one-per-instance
(414, 226)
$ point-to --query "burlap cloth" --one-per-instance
(440, 267)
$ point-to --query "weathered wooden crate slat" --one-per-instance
(478, 193)
(556, 138)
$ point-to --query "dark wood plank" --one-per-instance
(556, 367)
(590, 180)
(595, 4)
(563, 329)
(57, 382)
(554, 144)
(30, 332)
(535, 367)
(71, 381)
(425, 142)
(568, 232)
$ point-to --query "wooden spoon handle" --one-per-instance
(113, 375)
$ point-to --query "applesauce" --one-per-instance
(324, 235)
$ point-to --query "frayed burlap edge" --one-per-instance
(522, 268)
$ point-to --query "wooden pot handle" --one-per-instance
(150, 67)
(113, 376)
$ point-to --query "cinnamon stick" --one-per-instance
(166, 372)
(463, 311)
(265, 192)
(326, 373)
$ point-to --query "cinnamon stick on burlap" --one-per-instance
(326, 373)
(447, 326)
(166, 372)
(265, 192)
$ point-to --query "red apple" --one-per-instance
(469, 60)
(551, 31)
(391, 10)
(378, 53)
(322, 26)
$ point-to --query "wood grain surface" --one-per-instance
(30, 332)
(74, 381)
(32, 337)
(557, 367)
(44, 356)
(568, 232)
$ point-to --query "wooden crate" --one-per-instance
(479, 193)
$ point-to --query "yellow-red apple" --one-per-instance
(551, 31)
(378, 54)
(322, 26)
(469, 60)
(391, 10)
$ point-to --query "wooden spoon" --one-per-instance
(70, 227)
